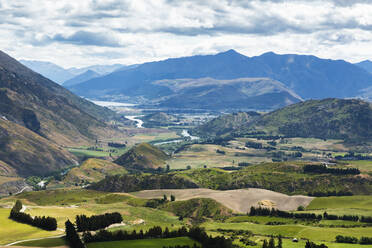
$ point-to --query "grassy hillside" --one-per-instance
(93, 170)
(158, 119)
(143, 156)
(327, 119)
(350, 120)
(131, 183)
(198, 208)
(145, 243)
(225, 124)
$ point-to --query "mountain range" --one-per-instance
(38, 116)
(211, 81)
(60, 75)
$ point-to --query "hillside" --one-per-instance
(30, 100)
(158, 119)
(330, 118)
(25, 153)
(225, 124)
(137, 182)
(92, 170)
(143, 156)
(307, 76)
(326, 119)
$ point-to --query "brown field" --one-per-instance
(240, 200)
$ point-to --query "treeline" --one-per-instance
(182, 246)
(95, 222)
(353, 156)
(72, 237)
(45, 223)
(116, 145)
(196, 233)
(330, 193)
(321, 169)
(354, 240)
(308, 216)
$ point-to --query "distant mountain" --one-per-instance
(350, 120)
(366, 65)
(89, 74)
(99, 69)
(37, 115)
(143, 156)
(241, 93)
(307, 76)
(49, 70)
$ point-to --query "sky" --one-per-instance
(86, 32)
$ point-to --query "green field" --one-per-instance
(145, 243)
(12, 231)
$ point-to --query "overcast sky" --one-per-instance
(85, 32)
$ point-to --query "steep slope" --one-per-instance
(328, 118)
(225, 124)
(100, 69)
(143, 156)
(29, 99)
(25, 153)
(308, 76)
(366, 65)
(49, 70)
(89, 74)
(93, 170)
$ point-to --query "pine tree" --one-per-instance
(271, 243)
(280, 242)
(265, 245)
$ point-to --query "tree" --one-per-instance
(167, 169)
(265, 245)
(280, 242)
(188, 167)
(271, 243)
(72, 237)
(165, 198)
(173, 198)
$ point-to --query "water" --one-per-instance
(186, 134)
(139, 122)
(113, 104)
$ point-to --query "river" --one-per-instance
(139, 122)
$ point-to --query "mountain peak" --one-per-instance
(230, 52)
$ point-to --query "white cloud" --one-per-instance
(78, 33)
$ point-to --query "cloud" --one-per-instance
(74, 33)
(88, 39)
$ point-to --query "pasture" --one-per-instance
(145, 243)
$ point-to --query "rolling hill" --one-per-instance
(158, 119)
(306, 76)
(348, 119)
(142, 157)
(225, 124)
(366, 65)
(93, 170)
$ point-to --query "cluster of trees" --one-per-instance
(308, 216)
(354, 240)
(353, 156)
(244, 164)
(195, 233)
(182, 246)
(116, 145)
(310, 244)
(72, 237)
(220, 151)
(95, 222)
(45, 223)
(330, 193)
(255, 145)
(271, 243)
(313, 168)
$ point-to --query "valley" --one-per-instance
(176, 158)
